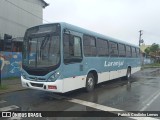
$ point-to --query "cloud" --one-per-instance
(121, 19)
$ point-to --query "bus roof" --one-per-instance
(88, 32)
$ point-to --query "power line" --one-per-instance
(26, 11)
(11, 21)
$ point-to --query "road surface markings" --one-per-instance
(9, 108)
(2, 101)
(106, 108)
(94, 105)
(150, 100)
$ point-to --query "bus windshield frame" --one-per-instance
(41, 47)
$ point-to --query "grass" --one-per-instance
(6, 86)
(3, 87)
(151, 65)
(11, 78)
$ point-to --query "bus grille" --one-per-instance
(37, 79)
(36, 84)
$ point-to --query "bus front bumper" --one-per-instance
(44, 86)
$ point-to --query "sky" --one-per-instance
(120, 19)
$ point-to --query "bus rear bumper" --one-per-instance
(44, 86)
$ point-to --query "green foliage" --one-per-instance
(153, 49)
(11, 78)
(153, 65)
(147, 50)
(3, 87)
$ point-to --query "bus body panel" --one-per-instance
(74, 83)
(73, 75)
(40, 85)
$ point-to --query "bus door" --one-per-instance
(73, 60)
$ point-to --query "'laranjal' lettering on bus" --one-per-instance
(118, 63)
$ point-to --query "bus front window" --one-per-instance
(43, 51)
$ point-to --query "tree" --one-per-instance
(154, 48)
(147, 50)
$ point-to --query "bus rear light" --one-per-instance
(52, 87)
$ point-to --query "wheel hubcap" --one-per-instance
(90, 82)
(129, 74)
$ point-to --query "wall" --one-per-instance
(10, 64)
(17, 17)
(148, 61)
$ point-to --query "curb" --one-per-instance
(150, 67)
(7, 91)
(147, 67)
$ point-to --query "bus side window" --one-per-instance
(128, 51)
(122, 50)
(66, 45)
(72, 49)
(102, 47)
(138, 52)
(77, 47)
(134, 54)
(89, 43)
(113, 49)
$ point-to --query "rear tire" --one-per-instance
(90, 82)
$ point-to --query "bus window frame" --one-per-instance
(95, 46)
(111, 50)
(72, 36)
(130, 55)
(107, 47)
(134, 53)
(121, 50)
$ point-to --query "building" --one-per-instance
(18, 15)
(15, 17)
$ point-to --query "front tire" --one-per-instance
(90, 82)
(128, 75)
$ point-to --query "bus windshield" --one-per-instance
(41, 49)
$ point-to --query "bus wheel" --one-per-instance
(90, 82)
(128, 75)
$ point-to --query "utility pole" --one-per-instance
(0, 69)
(140, 39)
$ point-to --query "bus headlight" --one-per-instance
(53, 77)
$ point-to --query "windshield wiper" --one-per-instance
(44, 42)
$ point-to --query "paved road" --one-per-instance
(141, 94)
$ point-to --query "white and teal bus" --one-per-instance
(60, 57)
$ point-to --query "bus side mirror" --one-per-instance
(66, 31)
